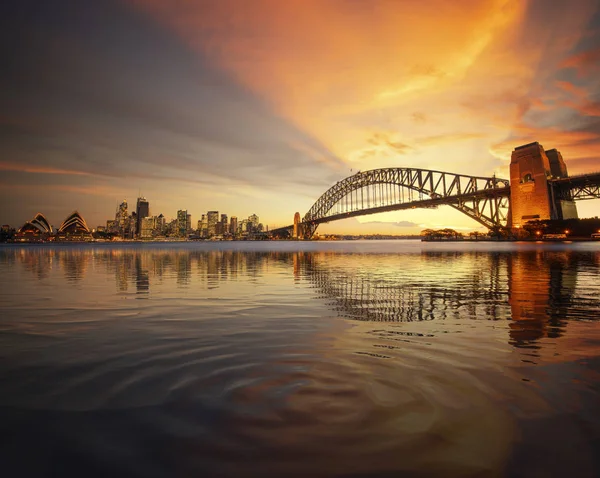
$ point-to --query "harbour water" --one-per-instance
(269, 359)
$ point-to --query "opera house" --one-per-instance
(73, 228)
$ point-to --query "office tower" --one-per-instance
(182, 217)
(204, 226)
(147, 227)
(188, 223)
(160, 224)
(112, 226)
(142, 210)
(121, 218)
(213, 218)
(233, 225)
(253, 223)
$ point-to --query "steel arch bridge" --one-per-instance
(484, 199)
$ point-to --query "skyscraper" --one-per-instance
(203, 226)
(253, 223)
(233, 225)
(121, 218)
(182, 217)
(224, 224)
(142, 210)
(213, 218)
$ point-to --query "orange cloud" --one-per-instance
(320, 64)
(584, 63)
(572, 89)
(6, 166)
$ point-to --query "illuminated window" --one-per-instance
(528, 178)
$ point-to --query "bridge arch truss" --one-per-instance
(484, 199)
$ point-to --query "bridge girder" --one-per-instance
(484, 199)
(578, 188)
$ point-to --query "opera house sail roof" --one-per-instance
(74, 224)
(38, 225)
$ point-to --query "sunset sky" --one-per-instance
(259, 106)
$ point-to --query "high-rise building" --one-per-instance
(253, 223)
(122, 218)
(112, 226)
(171, 228)
(182, 218)
(188, 223)
(142, 210)
(213, 218)
(147, 227)
(160, 224)
(233, 225)
(203, 226)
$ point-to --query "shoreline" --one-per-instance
(437, 240)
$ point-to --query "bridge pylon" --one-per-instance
(532, 193)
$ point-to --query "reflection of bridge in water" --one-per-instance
(536, 291)
(539, 189)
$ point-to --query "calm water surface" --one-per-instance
(300, 359)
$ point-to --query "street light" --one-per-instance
(538, 232)
(567, 231)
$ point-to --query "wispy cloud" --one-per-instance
(198, 99)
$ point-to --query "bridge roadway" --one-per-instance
(580, 187)
(485, 200)
(423, 203)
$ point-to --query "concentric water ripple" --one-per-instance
(280, 359)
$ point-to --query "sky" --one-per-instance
(260, 106)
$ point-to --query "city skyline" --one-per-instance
(262, 106)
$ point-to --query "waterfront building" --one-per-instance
(142, 210)
(233, 225)
(188, 223)
(212, 219)
(38, 229)
(38, 225)
(74, 227)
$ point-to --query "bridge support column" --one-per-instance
(531, 194)
(297, 232)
